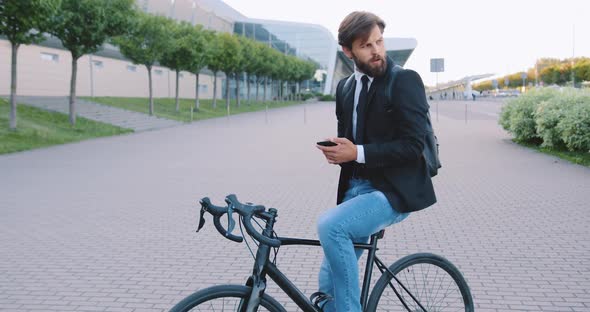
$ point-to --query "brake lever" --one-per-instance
(202, 217)
(231, 224)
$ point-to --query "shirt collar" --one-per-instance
(358, 75)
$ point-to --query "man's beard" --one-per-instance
(366, 68)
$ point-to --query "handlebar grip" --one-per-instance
(222, 231)
(214, 210)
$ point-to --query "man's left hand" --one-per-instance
(344, 152)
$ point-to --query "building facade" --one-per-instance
(44, 69)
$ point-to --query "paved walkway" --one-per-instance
(108, 224)
(103, 113)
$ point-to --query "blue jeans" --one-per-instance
(363, 212)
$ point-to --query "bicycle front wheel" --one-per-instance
(434, 282)
(224, 298)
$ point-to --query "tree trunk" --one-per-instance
(73, 90)
(237, 76)
(13, 87)
(248, 88)
(264, 90)
(257, 85)
(177, 102)
(227, 79)
(197, 92)
(214, 90)
(149, 69)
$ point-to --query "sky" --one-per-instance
(474, 37)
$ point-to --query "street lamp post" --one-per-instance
(573, 54)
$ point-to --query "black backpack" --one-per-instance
(430, 152)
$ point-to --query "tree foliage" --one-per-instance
(83, 26)
(24, 21)
(549, 71)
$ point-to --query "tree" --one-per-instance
(229, 55)
(23, 22)
(83, 26)
(199, 50)
(249, 60)
(180, 52)
(582, 70)
(306, 72)
(270, 68)
(215, 62)
(144, 44)
(262, 67)
(290, 73)
(278, 66)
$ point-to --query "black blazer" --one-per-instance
(395, 128)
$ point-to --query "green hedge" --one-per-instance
(550, 117)
(327, 97)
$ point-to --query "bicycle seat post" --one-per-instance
(369, 267)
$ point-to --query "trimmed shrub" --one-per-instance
(575, 125)
(556, 118)
(306, 96)
(505, 115)
(518, 115)
(327, 97)
(549, 113)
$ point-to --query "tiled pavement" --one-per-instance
(108, 224)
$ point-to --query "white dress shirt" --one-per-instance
(360, 150)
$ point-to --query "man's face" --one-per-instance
(369, 54)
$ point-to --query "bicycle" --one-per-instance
(420, 282)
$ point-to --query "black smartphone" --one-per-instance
(326, 143)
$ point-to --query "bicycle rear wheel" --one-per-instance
(434, 281)
(224, 298)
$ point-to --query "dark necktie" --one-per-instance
(361, 109)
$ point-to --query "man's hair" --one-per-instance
(356, 25)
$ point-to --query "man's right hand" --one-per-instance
(344, 152)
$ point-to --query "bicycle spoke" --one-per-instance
(429, 284)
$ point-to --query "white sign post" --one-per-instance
(437, 65)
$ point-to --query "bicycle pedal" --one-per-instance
(320, 298)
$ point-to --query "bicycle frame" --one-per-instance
(264, 267)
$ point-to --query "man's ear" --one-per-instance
(347, 52)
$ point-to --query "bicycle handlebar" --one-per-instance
(245, 211)
(217, 212)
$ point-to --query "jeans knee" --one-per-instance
(327, 226)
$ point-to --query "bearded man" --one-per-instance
(384, 176)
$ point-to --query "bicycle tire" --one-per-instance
(431, 302)
(204, 297)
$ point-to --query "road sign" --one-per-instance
(495, 83)
(437, 65)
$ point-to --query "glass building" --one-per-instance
(306, 41)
